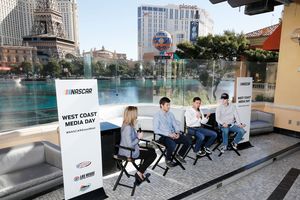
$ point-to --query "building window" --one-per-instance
(176, 14)
(171, 13)
(181, 14)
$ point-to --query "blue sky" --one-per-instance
(113, 23)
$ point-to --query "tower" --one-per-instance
(47, 33)
(47, 19)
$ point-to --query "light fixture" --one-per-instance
(296, 35)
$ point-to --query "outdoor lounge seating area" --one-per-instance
(150, 100)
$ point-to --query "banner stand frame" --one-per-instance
(97, 194)
(245, 145)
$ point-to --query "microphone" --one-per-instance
(139, 128)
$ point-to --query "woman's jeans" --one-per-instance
(200, 134)
(240, 132)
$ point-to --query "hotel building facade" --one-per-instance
(183, 22)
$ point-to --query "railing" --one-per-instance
(266, 86)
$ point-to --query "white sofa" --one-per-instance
(261, 122)
(114, 114)
(29, 169)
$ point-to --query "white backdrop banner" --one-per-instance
(243, 102)
(77, 102)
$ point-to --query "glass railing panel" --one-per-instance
(264, 80)
(28, 103)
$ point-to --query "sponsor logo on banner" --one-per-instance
(83, 164)
(245, 83)
(84, 187)
(78, 91)
(84, 176)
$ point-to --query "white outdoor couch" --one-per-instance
(29, 169)
(114, 114)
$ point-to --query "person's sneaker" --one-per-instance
(180, 159)
(234, 145)
(170, 164)
(201, 153)
(223, 148)
(207, 150)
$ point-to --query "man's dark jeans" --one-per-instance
(200, 133)
(171, 145)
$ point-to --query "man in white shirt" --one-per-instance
(229, 121)
(194, 119)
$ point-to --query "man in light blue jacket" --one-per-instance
(165, 125)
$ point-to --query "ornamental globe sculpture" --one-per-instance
(162, 41)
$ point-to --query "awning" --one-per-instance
(3, 68)
(272, 43)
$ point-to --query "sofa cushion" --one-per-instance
(28, 177)
(258, 124)
(146, 123)
(254, 115)
(147, 110)
(21, 156)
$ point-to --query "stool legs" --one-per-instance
(123, 170)
(164, 154)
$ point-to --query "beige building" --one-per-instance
(15, 55)
(105, 55)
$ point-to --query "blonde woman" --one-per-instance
(130, 138)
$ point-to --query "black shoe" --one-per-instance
(146, 177)
(180, 159)
(138, 179)
(170, 164)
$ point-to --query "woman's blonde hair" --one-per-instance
(130, 115)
